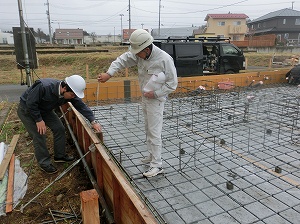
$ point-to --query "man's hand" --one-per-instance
(103, 77)
(41, 127)
(150, 94)
(97, 127)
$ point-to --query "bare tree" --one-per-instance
(94, 37)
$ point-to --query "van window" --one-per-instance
(228, 49)
(188, 50)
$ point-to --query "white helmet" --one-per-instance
(77, 84)
(139, 40)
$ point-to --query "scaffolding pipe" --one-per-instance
(108, 215)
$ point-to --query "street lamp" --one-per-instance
(121, 28)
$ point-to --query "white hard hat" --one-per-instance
(139, 40)
(77, 84)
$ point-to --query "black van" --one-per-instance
(203, 56)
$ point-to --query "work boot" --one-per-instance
(153, 171)
(66, 158)
(48, 169)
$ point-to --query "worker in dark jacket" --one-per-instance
(36, 111)
(293, 76)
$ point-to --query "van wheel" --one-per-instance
(229, 72)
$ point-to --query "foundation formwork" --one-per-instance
(229, 156)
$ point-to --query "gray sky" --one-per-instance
(103, 16)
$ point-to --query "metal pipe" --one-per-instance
(56, 179)
(108, 215)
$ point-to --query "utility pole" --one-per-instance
(129, 11)
(159, 17)
(24, 43)
(49, 22)
(121, 28)
(292, 5)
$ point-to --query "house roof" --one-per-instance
(69, 33)
(173, 32)
(226, 16)
(280, 13)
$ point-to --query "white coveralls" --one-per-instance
(158, 61)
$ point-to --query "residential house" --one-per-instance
(127, 33)
(100, 39)
(284, 23)
(6, 38)
(69, 36)
(229, 25)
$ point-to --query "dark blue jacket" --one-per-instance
(43, 96)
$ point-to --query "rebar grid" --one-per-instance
(247, 139)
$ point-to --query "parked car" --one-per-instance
(203, 56)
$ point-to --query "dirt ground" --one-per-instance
(62, 197)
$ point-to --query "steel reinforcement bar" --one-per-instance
(124, 202)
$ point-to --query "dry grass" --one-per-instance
(62, 65)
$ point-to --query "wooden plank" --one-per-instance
(8, 155)
(90, 207)
(10, 185)
(117, 201)
(109, 171)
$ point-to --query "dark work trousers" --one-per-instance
(39, 141)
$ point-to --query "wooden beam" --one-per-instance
(8, 155)
(10, 185)
(90, 207)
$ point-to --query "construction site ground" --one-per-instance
(229, 157)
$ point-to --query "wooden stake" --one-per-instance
(90, 207)
(10, 185)
(87, 72)
(270, 63)
(8, 155)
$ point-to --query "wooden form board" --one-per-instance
(115, 89)
(111, 180)
(8, 155)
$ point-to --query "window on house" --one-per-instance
(258, 25)
(286, 36)
(284, 21)
(252, 26)
(237, 23)
(5, 40)
(236, 37)
(279, 37)
(297, 22)
(221, 23)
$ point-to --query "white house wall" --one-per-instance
(6, 38)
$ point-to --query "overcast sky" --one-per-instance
(104, 16)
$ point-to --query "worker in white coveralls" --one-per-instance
(157, 79)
